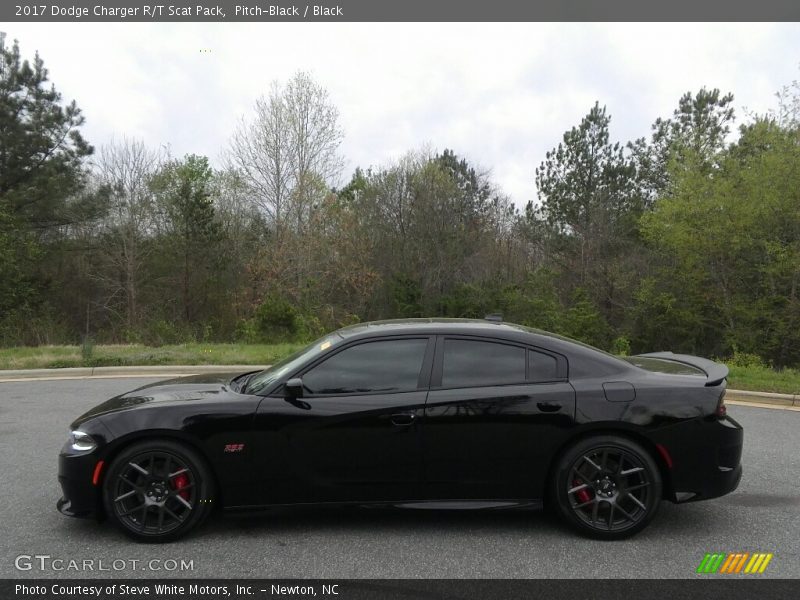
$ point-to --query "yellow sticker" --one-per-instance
(324, 345)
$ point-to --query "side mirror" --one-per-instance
(294, 387)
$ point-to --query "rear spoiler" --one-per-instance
(715, 372)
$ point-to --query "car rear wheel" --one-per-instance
(158, 491)
(607, 487)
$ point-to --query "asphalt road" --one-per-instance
(762, 515)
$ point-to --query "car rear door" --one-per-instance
(355, 433)
(496, 412)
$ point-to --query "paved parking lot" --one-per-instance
(762, 515)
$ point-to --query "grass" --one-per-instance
(54, 357)
(754, 378)
(764, 379)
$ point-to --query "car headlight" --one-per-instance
(81, 442)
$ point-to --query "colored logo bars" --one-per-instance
(739, 562)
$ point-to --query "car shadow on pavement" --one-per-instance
(672, 520)
(363, 519)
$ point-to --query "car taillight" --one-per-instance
(722, 410)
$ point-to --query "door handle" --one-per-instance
(403, 419)
(548, 406)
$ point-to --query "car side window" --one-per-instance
(380, 366)
(542, 367)
(473, 363)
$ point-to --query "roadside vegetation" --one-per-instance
(55, 357)
(765, 379)
(687, 239)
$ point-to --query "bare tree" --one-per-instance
(314, 142)
(290, 145)
(126, 168)
(259, 152)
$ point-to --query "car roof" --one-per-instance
(582, 356)
(485, 327)
(390, 326)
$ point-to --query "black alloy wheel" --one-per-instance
(608, 487)
(157, 491)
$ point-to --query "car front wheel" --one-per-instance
(607, 487)
(157, 491)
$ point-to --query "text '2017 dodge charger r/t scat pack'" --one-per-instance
(420, 413)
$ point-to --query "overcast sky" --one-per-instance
(499, 94)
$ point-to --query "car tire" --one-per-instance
(606, 487)
(157, 491)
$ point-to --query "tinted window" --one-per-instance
(473, 363)
(386, 366)
(541, 367)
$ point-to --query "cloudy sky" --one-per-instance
(500, 94)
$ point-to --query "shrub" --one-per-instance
(276, 319)
(87, 348)
(247, 331)
(308, 327)
(747, 360)
(621, 346)
(584, 322)
(161, 332)
(104, 361)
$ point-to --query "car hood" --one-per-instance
(181, 389)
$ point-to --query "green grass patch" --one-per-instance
(764, 379)
(56, 357)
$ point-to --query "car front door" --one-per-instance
(495, 414)
(354, 434)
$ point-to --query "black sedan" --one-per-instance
(419, 414)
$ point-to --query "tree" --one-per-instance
(42, 175)
(435, 224)
(41, 148)
(126, 168)
(189, 232)
(590, 199)
(730, 247)
(289, 146)
(18, 258)
(697, 131)
(315, 137)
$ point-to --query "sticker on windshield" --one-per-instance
(325, 345)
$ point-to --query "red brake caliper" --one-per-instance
(581, 495)
(180, 482)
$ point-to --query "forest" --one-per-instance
(687, 239)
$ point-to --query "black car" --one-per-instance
(418, 413)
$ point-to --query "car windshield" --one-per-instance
(263, 380)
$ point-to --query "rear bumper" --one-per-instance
(706, 458)
(719, 484)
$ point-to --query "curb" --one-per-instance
(112, 372)
(766, 399)
(771, 398)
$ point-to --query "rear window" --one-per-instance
(472, 363)
(541, 367)
(660, 365)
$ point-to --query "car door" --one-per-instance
(496, 412)
(354, 433)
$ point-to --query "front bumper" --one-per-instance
(81, 498)
(706, 458)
